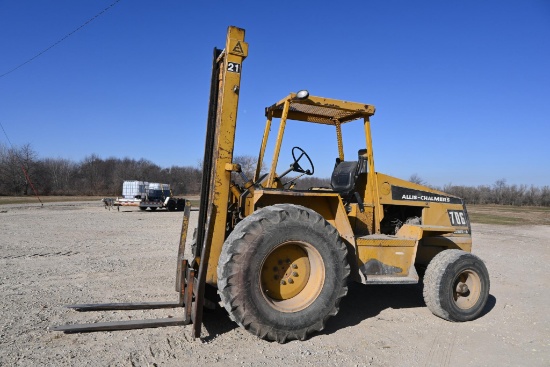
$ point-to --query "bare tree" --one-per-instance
(417, 179)
(27, 158)
(15, 165)
(57, 176)
(248, 166)
(90, 174)
(97, 176)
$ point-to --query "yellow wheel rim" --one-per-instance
(292, 276)
(467, 289)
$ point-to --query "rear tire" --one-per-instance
(279, 243)
(456, 285)
(171, 206)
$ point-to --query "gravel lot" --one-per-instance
(67, 253)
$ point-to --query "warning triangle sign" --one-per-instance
(238, 48)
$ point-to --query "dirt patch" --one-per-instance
(67, 253)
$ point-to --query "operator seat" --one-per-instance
(343, 177)
(345, 174)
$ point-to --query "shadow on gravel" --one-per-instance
(491, 303)
(216, 322)
(366, 301)
(361, 302)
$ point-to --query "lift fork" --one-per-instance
(190, 285)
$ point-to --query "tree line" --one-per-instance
(90, 176)
(499, 193)
(103, 177)
(502, 194)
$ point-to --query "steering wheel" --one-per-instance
(296, 166)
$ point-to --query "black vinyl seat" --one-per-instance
(343, 177)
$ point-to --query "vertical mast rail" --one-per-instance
(235, 52)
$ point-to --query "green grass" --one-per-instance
(509, 215)
(496, 219)
(511, 208)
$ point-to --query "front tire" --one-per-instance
(456, 285)
(282, 272)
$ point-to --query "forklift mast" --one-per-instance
(192, 276)
(219, 144)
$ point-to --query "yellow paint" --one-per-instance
(385, 241)
(230, 167)
(238, 47)
(278, 143)
(395, 256)
(339, 139)
(361, 222)
(224, 142)
(292, 276)
(285, 272)
(361, 231)
(263, 146)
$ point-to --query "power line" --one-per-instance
(62, 39)
(5, 133)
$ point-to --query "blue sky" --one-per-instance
(461, 88)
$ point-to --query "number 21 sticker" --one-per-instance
(233, 67)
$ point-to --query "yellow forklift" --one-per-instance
(281, 258)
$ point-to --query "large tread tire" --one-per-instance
(171, 206)
(241, 269)
(446, 273)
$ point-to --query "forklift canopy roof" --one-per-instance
(320, 110)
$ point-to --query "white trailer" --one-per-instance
(150, 195)
(132, 193)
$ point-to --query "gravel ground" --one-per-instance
(67, 253)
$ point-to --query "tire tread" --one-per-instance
(434, 276)
(236, 244)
